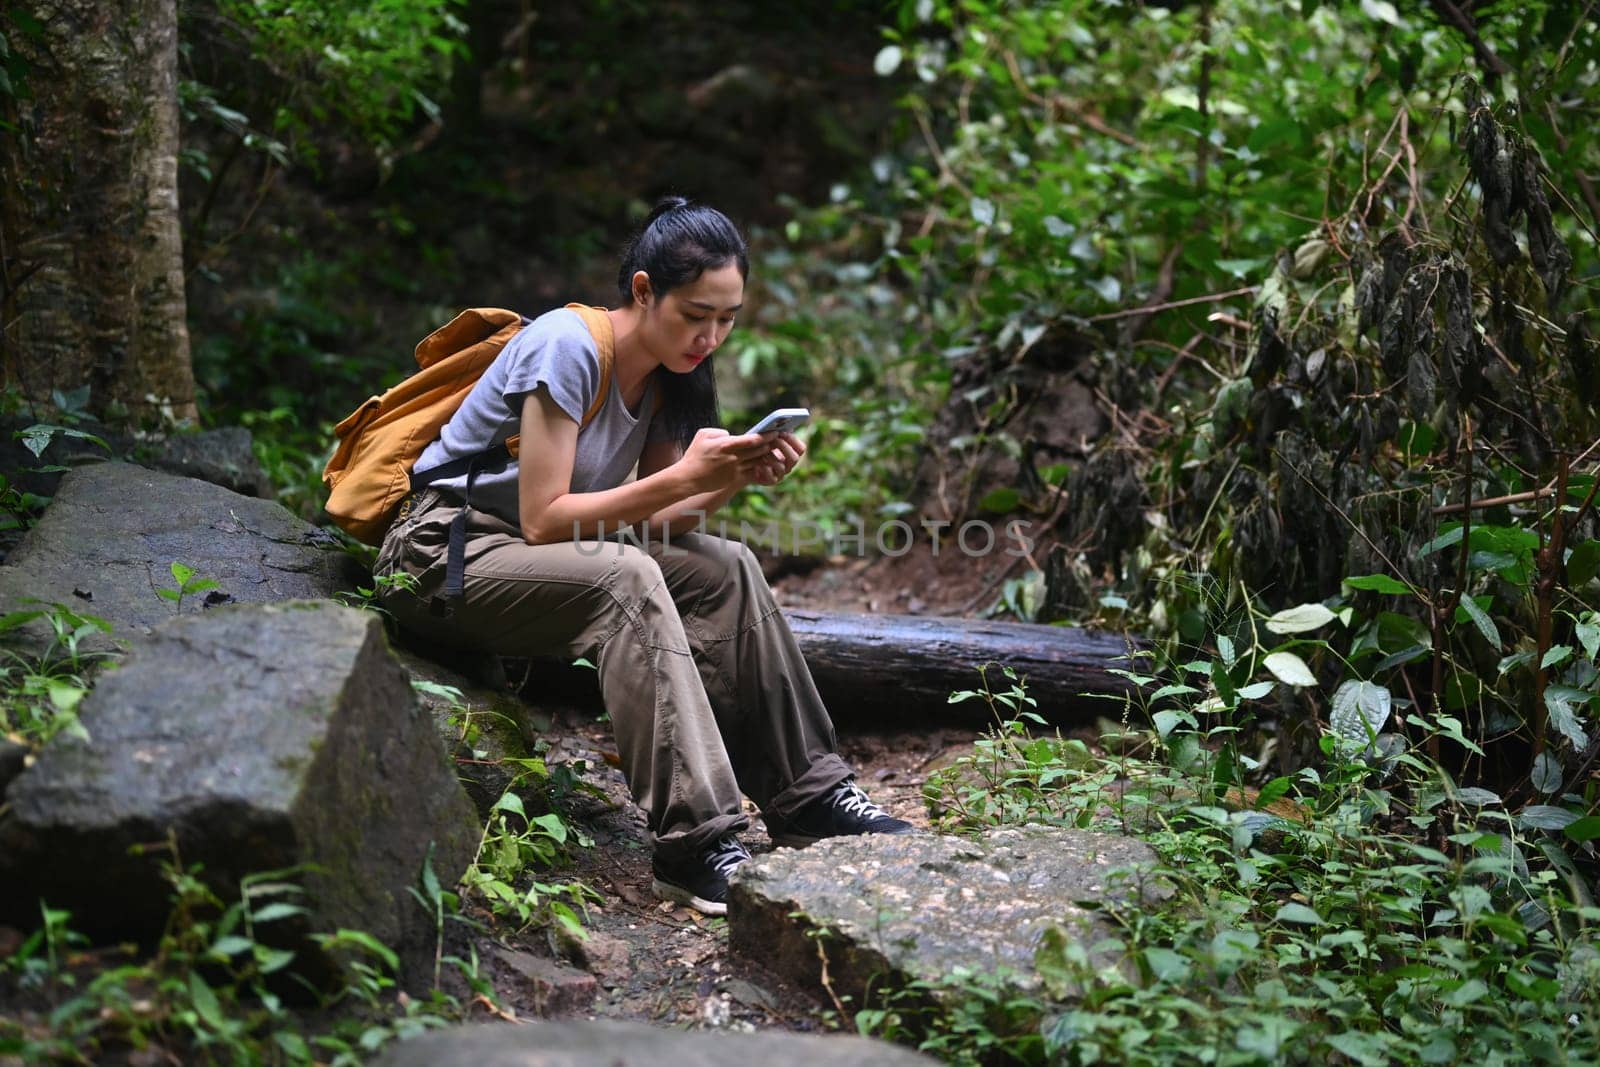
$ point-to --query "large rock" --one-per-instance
(620, 1044)
(108, 540)
(225, 456)
(259, 738)
(920, 906)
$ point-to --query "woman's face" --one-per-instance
(684, 327)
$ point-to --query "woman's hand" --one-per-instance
(716, 460)
(774, 465)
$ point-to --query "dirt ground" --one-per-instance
(664, 964)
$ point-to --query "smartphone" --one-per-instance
(781, 420)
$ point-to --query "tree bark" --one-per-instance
(899, 670)
(91, 266)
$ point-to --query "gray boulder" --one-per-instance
(107, 542)
(258, 738)
(919, 907)
(619, 1044)
(225, 456)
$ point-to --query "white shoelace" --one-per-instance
(853, 801)
(725, 856)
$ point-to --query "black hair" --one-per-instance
(678, 242)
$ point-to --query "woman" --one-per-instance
(708, 694)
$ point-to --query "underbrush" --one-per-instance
(1365, 910)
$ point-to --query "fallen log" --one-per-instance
(898, 669)
(872, 668)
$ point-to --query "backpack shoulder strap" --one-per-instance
(605, 341)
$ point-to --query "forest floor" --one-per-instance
(665, 964)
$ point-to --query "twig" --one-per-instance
(1523, 497)
(1492, 501)
(1492, 64)
(945, 173)
(1187, 302)
(827, 985)
(1056, 104)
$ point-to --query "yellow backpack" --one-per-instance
(370, 472)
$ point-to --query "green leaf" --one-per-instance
(1300, 619)
(509, 801)
(169, 594)
(1478, 798)
(1557, 701)
(1166, 965)
(1452, 536)
(232, 946)
(1480, 619)
(1256, 691)
(1383, 11)
(1588, 631)
(1000, 501)
(1545, 817)
(1555, 655)
(1378, 583)
(1298, 913)
(1241, 268)
(275, 911)
(205, 1002)
(1547, 774)
(182, 572)
(1166, 721)
(1584, 563)
(1360, 710)
(1290, 669)
(1473, 989)
(1585, 829)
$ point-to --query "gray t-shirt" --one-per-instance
(555, 352)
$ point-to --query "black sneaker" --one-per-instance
(844, 811)
(701, 880)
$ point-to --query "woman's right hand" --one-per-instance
(716, 460)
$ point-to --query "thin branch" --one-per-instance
(945, 173)
(1492, 65)
(1126, 312)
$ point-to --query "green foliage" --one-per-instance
(39, 696)
(1366, 908)
(212, 991)
(517, 847)
(365, 69)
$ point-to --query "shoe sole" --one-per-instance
(793, 840)
(679, 895)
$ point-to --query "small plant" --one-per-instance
(367, 596)
(39, 696)
(513, 845)
(187, 585)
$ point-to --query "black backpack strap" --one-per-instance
(456, 551)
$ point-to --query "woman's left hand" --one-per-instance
(772, 467)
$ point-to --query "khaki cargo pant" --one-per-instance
(707, 690)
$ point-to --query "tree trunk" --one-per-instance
(91, 265)
(899, 670)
